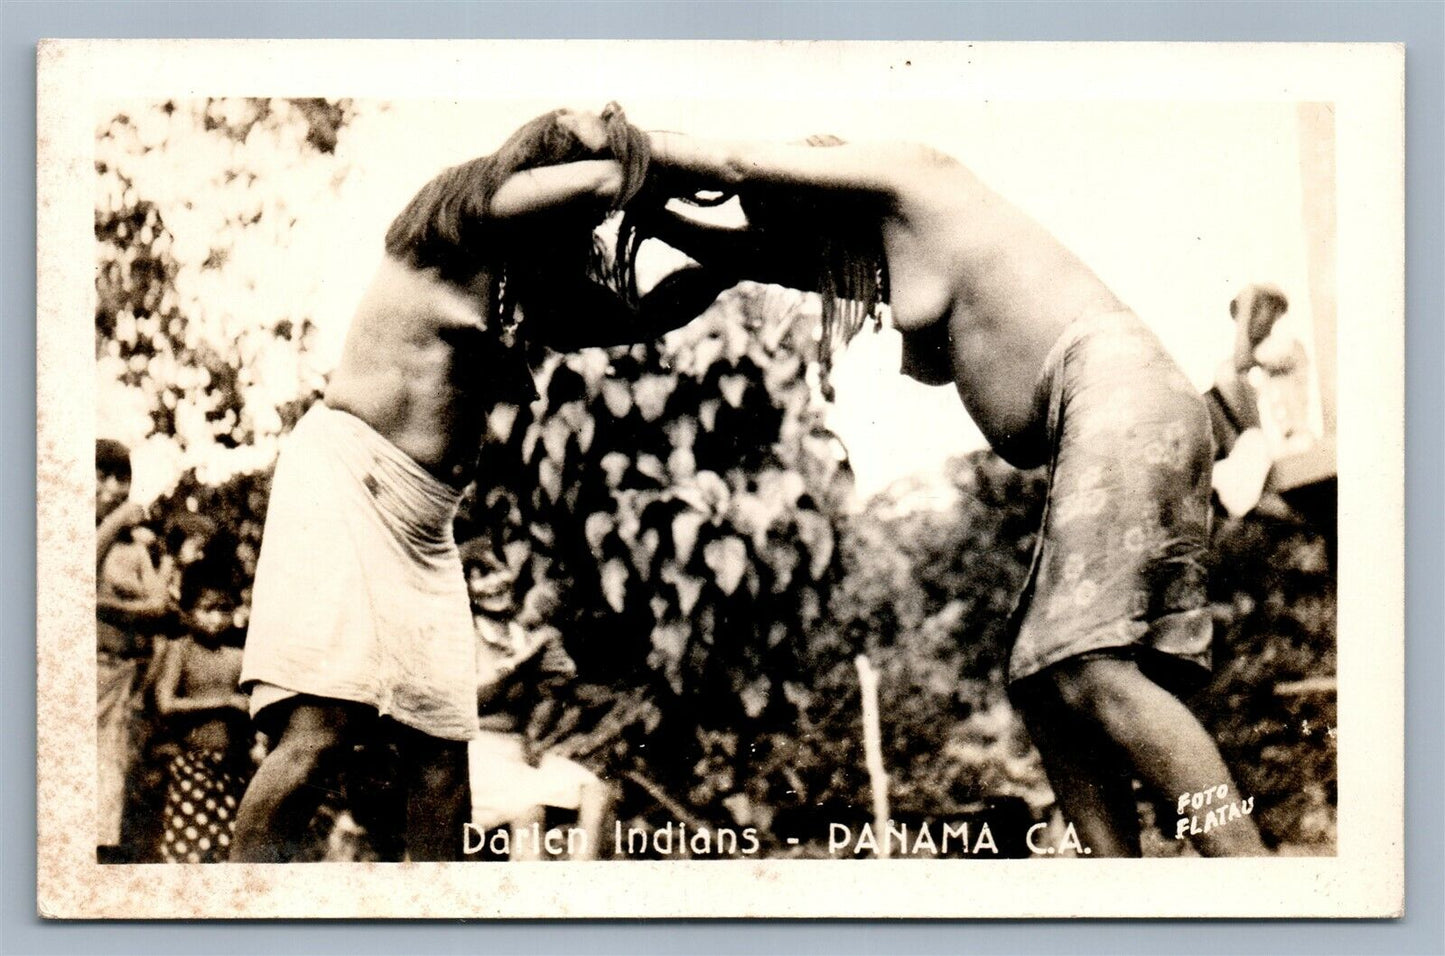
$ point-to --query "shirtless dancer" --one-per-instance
(1055, 370)
(361, 622)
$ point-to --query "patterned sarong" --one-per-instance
(200, 811)
(1119, 563)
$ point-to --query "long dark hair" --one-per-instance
(852, 275)
(449, 220)
(837, 242)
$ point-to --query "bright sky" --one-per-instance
(1176, 205)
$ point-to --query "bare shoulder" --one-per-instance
(895, 168)
(403, 295)
(920, 172)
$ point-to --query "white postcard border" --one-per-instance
(1365, 82)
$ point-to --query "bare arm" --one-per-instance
(778, 184)
(878, 168)
(581, 314)
(131, 593)
(594, 182)
(445, 225)
(108, 531)
(406, 287)
(735, 254)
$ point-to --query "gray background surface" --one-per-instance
(1421, 26)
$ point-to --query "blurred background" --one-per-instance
(722, 542)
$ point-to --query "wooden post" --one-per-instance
(1317, 192)
(873, 751)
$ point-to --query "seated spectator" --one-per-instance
(523, 669)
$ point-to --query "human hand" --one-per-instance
(590, 130)
(131, 512)
(1279, 352)
(1239, 480)
(761, 251)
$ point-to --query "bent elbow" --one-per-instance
(734, 170)
(607, 184)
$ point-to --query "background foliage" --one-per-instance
(202, 342)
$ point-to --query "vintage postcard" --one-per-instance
(720, 479)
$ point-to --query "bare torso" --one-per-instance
(981, 293)
(417, 357)
(205, 671)
(411, 369)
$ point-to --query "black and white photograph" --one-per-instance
(726, 465)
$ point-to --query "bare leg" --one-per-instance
(288, 786)
(1090, 778)
(523, 846)
(1165, 744)
(438, 798)
(592, 812)
(376, 790)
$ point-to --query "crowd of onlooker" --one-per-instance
(174, 738)
(175, 741)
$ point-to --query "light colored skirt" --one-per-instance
(359, 591)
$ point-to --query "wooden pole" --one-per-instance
(873, 752)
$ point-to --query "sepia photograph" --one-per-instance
(929, 459)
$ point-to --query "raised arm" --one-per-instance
(885, 169)
(733, 254)
(446, 224)
(580, 313)
(435, 252)
(595, 183)
(557, 160)
(131, 593)
(123, 518)
(799, 198)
